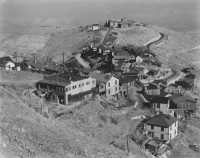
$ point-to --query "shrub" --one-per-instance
(103, 118)
(100, 125)
(113, 120)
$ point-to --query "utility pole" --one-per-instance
(16, 56)
(127, 143)
(63, 62)
(56, 75)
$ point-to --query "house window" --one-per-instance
(82, 84)
(116, 82)
(66, 89)
(116, 89)
(109, 91)
(158, 105)
(108, 84)
(92, 81)
(54, 97)
(101, 86)
(162, 129)
(162, 136)
(175, 132)
(170, 136)
(152, 127)
(79, 85)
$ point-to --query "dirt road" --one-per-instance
(81, 61)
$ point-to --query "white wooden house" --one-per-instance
(6, 63)
(164, 127)
(107, 85)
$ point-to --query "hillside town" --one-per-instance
(115, 73)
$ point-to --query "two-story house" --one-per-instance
(62, 89)
(162, 126)
(151, 89)
(126, 84)
(160, 105)
(107, 85)
(180, 104)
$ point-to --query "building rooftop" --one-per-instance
(73, 78)
(120, 57)
(162, 120)
(36, 64)
(125, 79)
(5, 60)
(100, 77)
(53, 80)
(160, 99)
(178, 98)
(151, 86)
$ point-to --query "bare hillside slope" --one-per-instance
(24, 133)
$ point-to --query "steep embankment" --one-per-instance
(25, 133)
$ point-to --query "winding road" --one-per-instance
(155, 40)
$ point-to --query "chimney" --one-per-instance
(34, 59)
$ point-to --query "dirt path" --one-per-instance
(81, 61)
(106, 34)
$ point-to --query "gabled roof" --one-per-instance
(159, 99)
(5, 60)
(162, 120)
(159, 81)
(133, 71)
(126, 79)
(37, 65)
(151, 86)
(102, 47)
(100, 77)
(178, 98)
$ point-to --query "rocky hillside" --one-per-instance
(180, 49)
(25, 133)
(136, 35)
(46, 41)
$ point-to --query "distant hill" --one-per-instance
(52, 41)
(46, 41)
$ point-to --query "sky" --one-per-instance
(20, 15)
